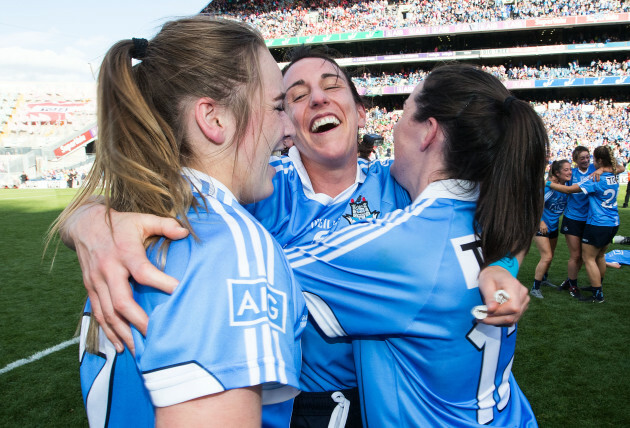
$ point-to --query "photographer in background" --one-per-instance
(367, 145)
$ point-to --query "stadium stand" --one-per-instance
(569, 57)
(38, 124)
(306, 18)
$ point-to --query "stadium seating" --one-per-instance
(568, 57)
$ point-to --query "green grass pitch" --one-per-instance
(571, 359)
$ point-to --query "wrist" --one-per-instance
(508, 263)
(79, 222)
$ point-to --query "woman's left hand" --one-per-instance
(494, 278)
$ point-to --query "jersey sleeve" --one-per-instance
(548, 193)
(588, 186)
(359, 281)
(229, 324)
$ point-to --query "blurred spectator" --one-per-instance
(587, 123)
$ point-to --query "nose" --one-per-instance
(288, 128)
(318, 97)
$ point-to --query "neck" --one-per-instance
(331, 181)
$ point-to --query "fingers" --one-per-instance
(495, 278)
(145, 273)
(100, 318)
(115, 328)
(159, 226)
(130, 232)
(108, 257)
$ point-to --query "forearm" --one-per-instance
(562, 188)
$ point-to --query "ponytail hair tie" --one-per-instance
(507, 102)
(139, 50)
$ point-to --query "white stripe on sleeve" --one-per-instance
(251, 349)
(181, 383)
(239, 240)
(269, 359)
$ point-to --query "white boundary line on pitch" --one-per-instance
(39, 355)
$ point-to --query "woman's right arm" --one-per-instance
(108, 257)
(574, 188)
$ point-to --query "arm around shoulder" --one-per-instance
(574, 188)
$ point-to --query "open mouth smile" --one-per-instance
(325, 124)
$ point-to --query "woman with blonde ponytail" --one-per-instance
(186, 134)
(602, 222)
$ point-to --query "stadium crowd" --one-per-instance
(282, 18)
(569, 124)
(597, 68)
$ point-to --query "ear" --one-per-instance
(212, 120)
(433, 134)
(362, 115)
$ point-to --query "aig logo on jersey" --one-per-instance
(254, 302)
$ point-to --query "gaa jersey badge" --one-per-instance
(360, 211)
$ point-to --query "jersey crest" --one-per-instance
(360, 211)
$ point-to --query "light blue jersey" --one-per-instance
(296, 215)
(618, 256)
(555, 203)
(577, 205)
(404, 285)
(602, 200)
(234, 321)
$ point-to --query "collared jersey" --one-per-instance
(296, 215)
(577, 204)
(422, 358)
(555, 203)
(234, 321)
(602, 200)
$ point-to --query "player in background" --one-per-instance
(627, 197)
(602, 222)
(187, 134)
(574, 219)
(319, 187)
(617, 258)
(546, 237)
(472, 157)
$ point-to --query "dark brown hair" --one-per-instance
(495, 140)
(577, 151)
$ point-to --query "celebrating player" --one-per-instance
(472, 157)
(575, 215)
(319, 187)
(187, 134)
(602, 222)
(547, 235)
